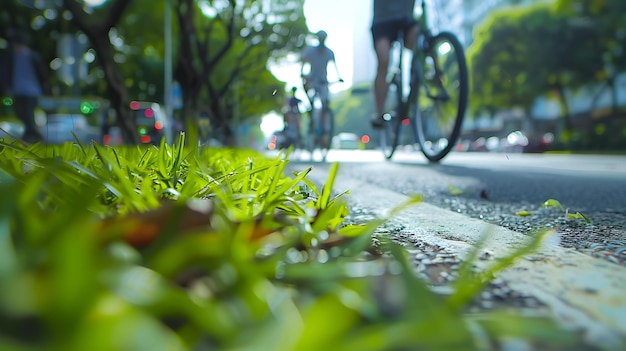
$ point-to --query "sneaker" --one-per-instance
(377, 121)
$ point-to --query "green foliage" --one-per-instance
(454, 191)
(608, 18)
(242, 257)
(224, 48)
(552, 203)
(520, 54)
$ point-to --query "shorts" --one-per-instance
(391, 28)
(319, 87)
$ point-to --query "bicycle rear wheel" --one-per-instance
(309, 142)
(390, 130)
(328, 127)
(441, 104)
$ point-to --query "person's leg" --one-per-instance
(25, 111)
(382, 46)
(322, 90)
(410, 36)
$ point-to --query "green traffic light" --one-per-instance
(7, 101)
(143, 130)
(86, 107)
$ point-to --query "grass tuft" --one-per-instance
(176, 248)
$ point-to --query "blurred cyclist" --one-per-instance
(317, 59)
(291, 119)
(390, 18)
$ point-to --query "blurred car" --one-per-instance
(345, 141)
(277, 141)
(152, 124)
(61, 128)
(63, 117)
(463, 145)
(539, 144)
(12, 129)
(480, 144)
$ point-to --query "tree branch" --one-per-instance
(229, 40)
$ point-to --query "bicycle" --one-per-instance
(436, 100)
(321, 124)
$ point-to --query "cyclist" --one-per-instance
(291, 118)
(317, 59)
(389, 19)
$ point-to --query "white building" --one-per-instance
(364, 58)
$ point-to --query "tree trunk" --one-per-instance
(565, 112)
(118, 93)
(98, 34)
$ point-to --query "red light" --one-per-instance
(365, 139)
(405, 122)
(148, 113)
(145, 139)
(271, 145)
(134, 105)
(158, 125)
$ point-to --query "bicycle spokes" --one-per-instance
(441, 106)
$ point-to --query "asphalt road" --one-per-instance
(580, 182)
(577, 276)
(497, 187)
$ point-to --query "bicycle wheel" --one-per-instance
(327, 119)
(309, 142)
(390, 130)
(443, 88)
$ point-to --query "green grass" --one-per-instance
(177, 248)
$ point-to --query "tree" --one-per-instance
(221, 55)
(42, 26)
(98, 26)
(608, 18)
(522, 54)
(224, 46)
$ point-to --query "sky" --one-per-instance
(338, 18)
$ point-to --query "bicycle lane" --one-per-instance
(579, 291)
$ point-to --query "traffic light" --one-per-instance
(86, 107)
(7, 101)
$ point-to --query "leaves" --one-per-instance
(454, 191)
(552, 203)
(521, 53)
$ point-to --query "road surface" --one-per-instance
(578, 276)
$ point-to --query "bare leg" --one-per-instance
(411, 37)
(382, 47)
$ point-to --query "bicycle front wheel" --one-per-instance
(441, 104)
(390, 130)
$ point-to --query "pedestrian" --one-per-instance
(24, 81)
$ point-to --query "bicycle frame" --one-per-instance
(417, 63)
(425, 79)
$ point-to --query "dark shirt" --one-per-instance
(388, 10)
